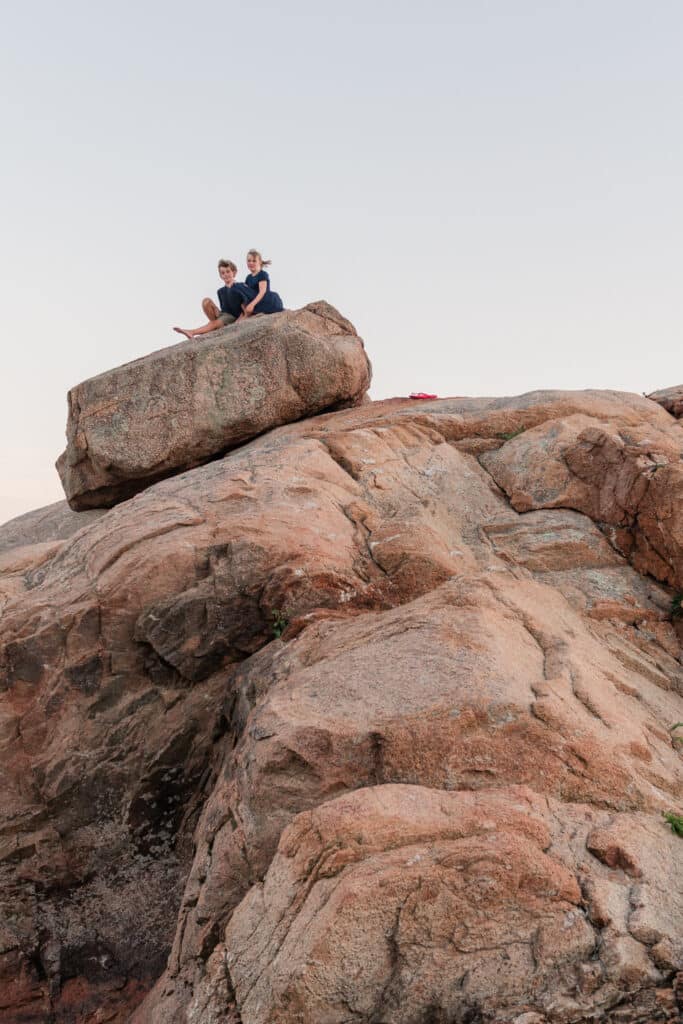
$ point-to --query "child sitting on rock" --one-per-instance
(233, 296)
(265, 300)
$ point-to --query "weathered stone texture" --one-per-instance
(671, 399)
(437, 796)
(178, 407)
(44, 526)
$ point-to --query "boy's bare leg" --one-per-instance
(212, 314)
(210, 309)
(213, 325)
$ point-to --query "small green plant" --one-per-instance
(672, 730)
(675, 821)
(279, 623)
(512, 433)
(677, 606)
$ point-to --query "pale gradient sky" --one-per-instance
(489, 189)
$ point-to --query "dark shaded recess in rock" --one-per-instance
(110, 695)
(160, 800)
(197, 634)
(94, 960)
(87, 798)
(25, 660)
(86, 676)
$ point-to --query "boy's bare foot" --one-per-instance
(180, 330)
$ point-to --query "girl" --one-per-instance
(265, 301)
(232, 297)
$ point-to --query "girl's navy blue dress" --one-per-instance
(271, 301)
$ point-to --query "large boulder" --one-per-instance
(368, 720)
(671, 399)
(183, 405)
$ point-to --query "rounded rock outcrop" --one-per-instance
(671, 399)
(183, 405)
(372, 719)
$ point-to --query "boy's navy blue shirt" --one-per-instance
(231, 299)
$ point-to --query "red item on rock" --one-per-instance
(421, 394)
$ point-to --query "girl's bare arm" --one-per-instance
(262, 286)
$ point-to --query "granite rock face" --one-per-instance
(671, 399)
(52, 523)
(183, 405)
(369, 720)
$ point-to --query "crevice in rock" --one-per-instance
(584, 698)
(377, 748)
(363, 535)
(232, 1008)
(378, 1015)
(337, 457)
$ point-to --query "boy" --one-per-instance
(232, 297)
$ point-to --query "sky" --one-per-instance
(489, 189)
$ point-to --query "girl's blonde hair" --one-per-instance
(259, 257)
(229, 264)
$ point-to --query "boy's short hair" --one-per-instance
(229, 264)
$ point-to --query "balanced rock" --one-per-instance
(183, 405)
(671, 399)
(369, 720)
